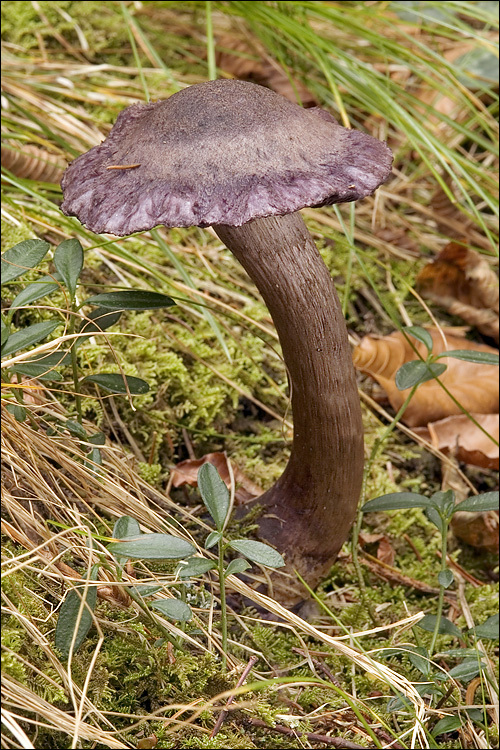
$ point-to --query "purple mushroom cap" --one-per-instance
(221, 152)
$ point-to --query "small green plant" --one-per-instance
(215, 496)
(76, 615)
(68, 259)
(418, 371)
(75, 618)
(412, 375)
(439, 509)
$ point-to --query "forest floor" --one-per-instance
(356, 669)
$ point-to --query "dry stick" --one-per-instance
(240, 682)
(311, 736)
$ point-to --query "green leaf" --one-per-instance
(445, 578)
(153, 547)
(419, 657)
(416, 373)
(396, 704)
(131, 300)
(488, 630)
(475, 714)
(98, 438)
(258, 552)
(421, 335)
(465, 672)
(125, 527)
(435, 518)
(26, 337)
(212, 539)
(76, 429)
(443, 501)
(459, 653)
(214, 494)
(448, 724)
(68, 260)
(446, 627)
(396, 501)
(195, 566)
(236, 566)
(98, 320)
(471, 355)
(94, 458)
(56, 359)
(479, 503)
(68, 621)
(39, 372)
(18, 411)
(5, 331)
(43, 367)
(174, 609)
(115, 383)
(34, 292)
(18, 259)
(145, 590)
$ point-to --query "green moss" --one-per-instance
(151, 473)
(23, 25)
(13, 234)
(12, 642)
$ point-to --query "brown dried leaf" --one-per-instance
(463, 282)
(242, 59)
(460, 437)
(32, 162)
(476, 529)
(186, 473)
(385, 550)
(474, 386)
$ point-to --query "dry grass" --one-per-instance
(58, 513)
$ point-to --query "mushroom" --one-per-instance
(242, 159)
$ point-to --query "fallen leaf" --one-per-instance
(32, 162)
(186, 473)
(244, 59)
(476, 529)
(463, 282)
(474, 386)
(460, 437)
(385, 551)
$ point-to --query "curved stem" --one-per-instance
(310, 509)
(439, 613)
(223, 606)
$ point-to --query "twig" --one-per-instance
(417, 553)
(224, 712)
(327, 672)
(311, 736)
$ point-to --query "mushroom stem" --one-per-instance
(310, 509)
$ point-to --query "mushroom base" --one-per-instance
(309, 511)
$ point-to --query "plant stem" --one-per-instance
(166, 634)
(212, 69)
(444, 548)
(223, 609)
(74, 362)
